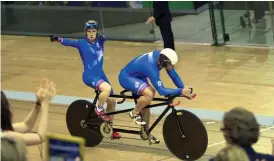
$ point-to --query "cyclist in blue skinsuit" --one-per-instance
(91, 50)
(133, 77)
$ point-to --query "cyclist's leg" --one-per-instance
(111, 102)
(138, 87)
(146, 112)
(95, 81)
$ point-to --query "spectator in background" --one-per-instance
(22, 130)
(135, 4)
(241, 128)
(259, 10)
(231, 153)
(162, 17)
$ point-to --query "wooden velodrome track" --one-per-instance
(223, 77)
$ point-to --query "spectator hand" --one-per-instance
(46, 91)
(150, 19)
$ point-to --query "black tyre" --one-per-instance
(76, 115)
(194, 144)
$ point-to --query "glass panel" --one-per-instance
(118, 20)
(190, 22)
(248, 22)
(271, 13)
(219, 21)
(127, 21)
(45, 20)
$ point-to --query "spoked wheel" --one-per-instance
(193, 144)
(76, 115)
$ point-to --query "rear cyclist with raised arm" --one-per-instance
(91, 50)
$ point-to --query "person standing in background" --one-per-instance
(259, 10)
(162, 17)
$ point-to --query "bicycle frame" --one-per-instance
(180, 122)
(166, 101)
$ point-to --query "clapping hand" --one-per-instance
(46, 91)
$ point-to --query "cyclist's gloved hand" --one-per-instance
(54, 38)
(102, 37)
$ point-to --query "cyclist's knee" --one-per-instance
(149, 93)
(105, 87)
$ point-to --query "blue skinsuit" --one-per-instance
(133, 76)
(92, 56)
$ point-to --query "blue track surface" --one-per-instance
(201, 113)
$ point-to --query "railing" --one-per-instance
(118, 20)
(226, 22)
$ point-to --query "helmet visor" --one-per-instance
(91, 26)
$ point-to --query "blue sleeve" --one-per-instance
(158, 85)
(67, 42)
(175, 78)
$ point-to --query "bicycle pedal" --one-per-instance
(150, 142)
(157, 142)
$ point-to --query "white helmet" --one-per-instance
(168, 56)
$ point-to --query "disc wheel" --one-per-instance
(190, 146)
(75, 118)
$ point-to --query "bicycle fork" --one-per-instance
(174, 112)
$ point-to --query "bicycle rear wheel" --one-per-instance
(76, 115)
